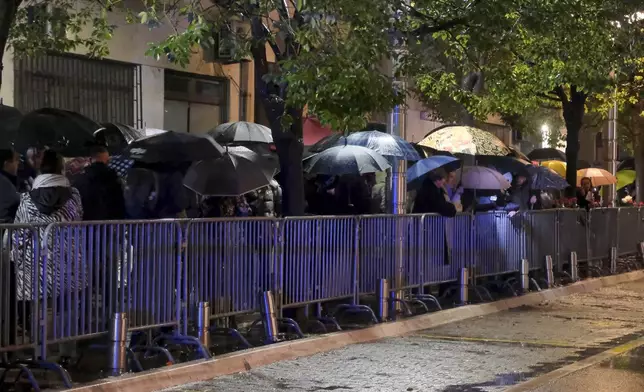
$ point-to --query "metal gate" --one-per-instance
(103, 90)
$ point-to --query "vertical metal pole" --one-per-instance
(525, 275)
(641, 249)
(613, 260)
(574, 267)
(268, 316)
(463, 292)
(382, 293)
(550, 274)
(612, 150)
(203, 323)
(118, 338)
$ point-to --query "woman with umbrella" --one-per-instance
(431, 197)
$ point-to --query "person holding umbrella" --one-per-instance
(431, 197)
(587, 196)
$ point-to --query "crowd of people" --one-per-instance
(37, 191)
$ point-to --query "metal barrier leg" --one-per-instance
(118, 346)
(203, 323)
(382, 293)
(613, 260)
(269, 319)
(525, 276)
(574, 267)
(550, 274)
(463, 292)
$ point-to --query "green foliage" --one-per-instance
(526, 49)
(329, 53)
(61, 26)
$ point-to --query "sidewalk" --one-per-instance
(489, 353)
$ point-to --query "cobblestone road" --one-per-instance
(484, 354)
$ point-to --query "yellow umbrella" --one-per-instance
(598, 177)
(556, 166)
(625, 178)
(465, 140)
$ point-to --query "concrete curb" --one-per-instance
(171, 376)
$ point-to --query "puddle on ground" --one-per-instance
(633, 360)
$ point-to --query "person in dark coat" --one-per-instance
(9, 197)
(521, 197)
(431, 196)
(30, 168)
(100, 189)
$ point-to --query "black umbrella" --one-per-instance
(233, 174)
(241, 132)
(543, 178)
(173, 147)
(325, 143)
(116, 136)
(547, 154)
(67, 132)
(626, 164)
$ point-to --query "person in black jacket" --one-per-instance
(431, 196)
(9, 197)
(100, 189)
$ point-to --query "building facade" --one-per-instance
(131, 88)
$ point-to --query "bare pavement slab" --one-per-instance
(544, 343)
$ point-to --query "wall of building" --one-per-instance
(129, 44)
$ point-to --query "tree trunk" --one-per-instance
(287, 141)
(472, 83)
(573, 112)
(8, 9)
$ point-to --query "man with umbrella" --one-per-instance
(100, 188)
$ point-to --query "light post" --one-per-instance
(612, 145)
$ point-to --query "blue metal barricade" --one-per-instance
(388, 244)
(499, 242)
(444, 248)
(628, 231)
(19, 308)
(602, 232)
(573, 226)
(229, 263)
(542, 236)
(95, 269)
(318, 260)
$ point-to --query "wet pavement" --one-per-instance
(624, 373)
(491, 353)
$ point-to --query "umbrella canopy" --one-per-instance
(518, 154)
(547, 154)
(233, 174)
(241, 132)
(483, 178)
(326, 142)
(599, 177)
(416, 173)
(505, 164)
(116, 136)
(625, 178)
(385, 144)
(626, 164)
(558, 167)
(543, 178)
(267, 160)
(67, 132)
(173, 147)
(346, 160)
(465, 140)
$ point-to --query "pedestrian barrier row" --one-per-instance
(63, 282)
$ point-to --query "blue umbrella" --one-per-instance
(422, 167)
(387, 145)
(342, 160)
(544, 178)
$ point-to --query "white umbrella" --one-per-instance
(483, 178)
